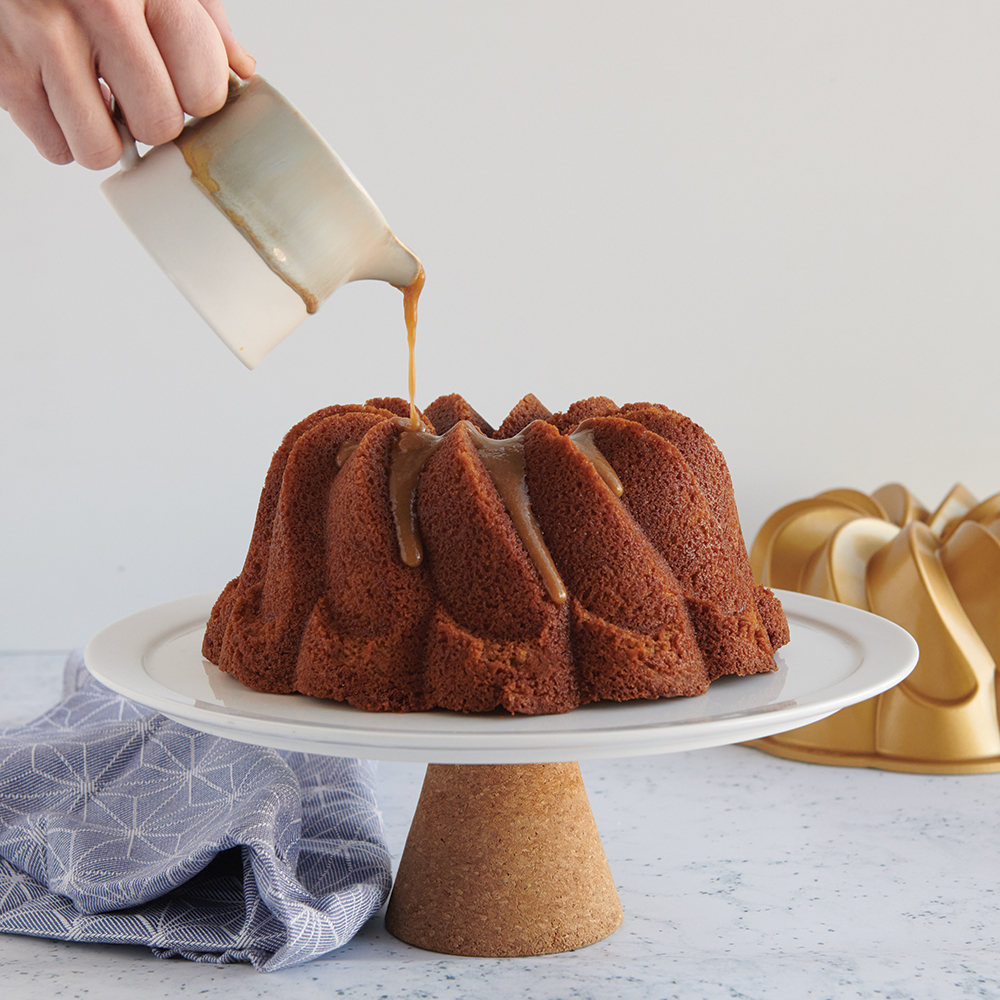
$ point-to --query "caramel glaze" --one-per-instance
(583, 438)
(504, 461)
(345, 451)
(409, 454)
(411, 295)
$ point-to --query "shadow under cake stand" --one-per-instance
(503, 857)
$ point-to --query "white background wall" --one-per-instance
(781, 218)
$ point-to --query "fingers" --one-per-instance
(240, 61)
(48, 84)
(168, 58)
(129, 60)
(35, 119)
(76, 103)
(193, 54)
(161, 59)
(25, 100)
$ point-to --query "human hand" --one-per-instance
(160, 58)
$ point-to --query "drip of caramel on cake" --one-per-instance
(583, 438)
(504, 461)
(409, 455)
(411, 295)
(345, 451)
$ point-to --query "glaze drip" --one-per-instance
(409, 455)
(345, 451)
(583, 438)
(504, 461)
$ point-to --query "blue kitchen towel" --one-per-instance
(118, 825)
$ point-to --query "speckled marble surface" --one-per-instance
(742, 876)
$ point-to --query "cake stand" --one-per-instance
(503, 856)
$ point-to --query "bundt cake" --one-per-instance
(558, 560)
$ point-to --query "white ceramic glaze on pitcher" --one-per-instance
(255, 219)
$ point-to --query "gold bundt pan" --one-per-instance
(935, 574)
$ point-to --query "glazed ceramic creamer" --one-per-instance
(255, 219)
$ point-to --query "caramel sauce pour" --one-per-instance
(504, 460)
(411, 295)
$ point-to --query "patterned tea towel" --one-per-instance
(118, 825)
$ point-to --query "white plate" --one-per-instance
(838, 656)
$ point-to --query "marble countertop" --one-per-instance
(742, 876)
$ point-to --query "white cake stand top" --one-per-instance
(837, 656)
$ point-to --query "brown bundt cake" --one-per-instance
(559, 560)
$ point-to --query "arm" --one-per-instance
(60, 59)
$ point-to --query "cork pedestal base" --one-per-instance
(503, 860)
